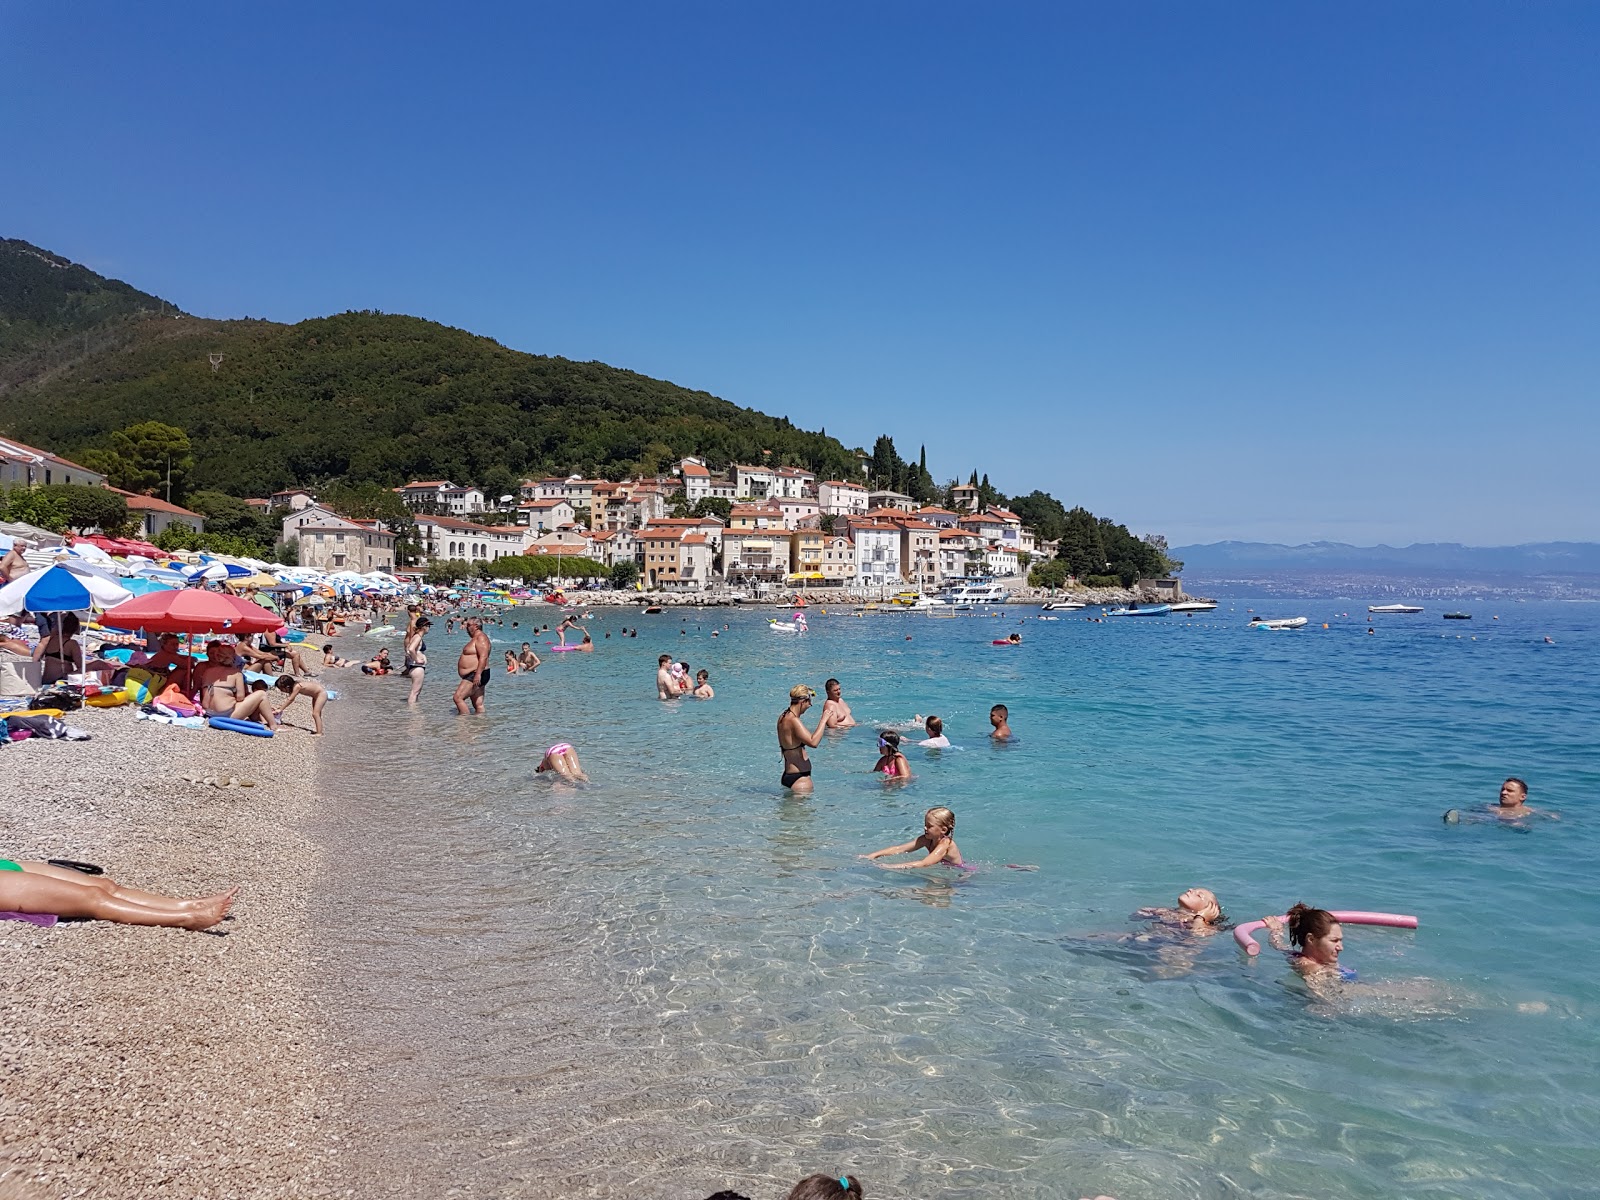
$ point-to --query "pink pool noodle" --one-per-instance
(1242, 934)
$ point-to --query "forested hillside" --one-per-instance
(363, 397)
(44, 297)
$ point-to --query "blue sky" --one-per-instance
(1262, 271)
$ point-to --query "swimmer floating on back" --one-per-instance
(1198, 911)
(937, 841)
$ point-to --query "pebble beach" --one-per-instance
(158, 1062)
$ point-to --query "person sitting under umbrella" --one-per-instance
(220, 689)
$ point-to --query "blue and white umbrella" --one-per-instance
(64, 587)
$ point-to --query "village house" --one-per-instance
(754, 483)
(151, 515)
(877, 553)
(839, 499)
(294, 500)
(441, 496)
(545, 515)
(964, 497)
(22, 465)
(805, 556)
(919, 553)
(887, 499)
(793, 483)
(934, 515)
(750, 554)
(359, 546)
(960, 554)
(675, 557)
(838, 561)
(456, 538)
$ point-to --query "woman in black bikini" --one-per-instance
(793, 738)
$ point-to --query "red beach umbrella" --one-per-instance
(191, 610)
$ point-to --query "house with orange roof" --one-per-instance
(888, 499)
(22, 465)
(151, 515)
(919, 553)
(444, 537)
(944, 518)
(964, 496)
(545, 515)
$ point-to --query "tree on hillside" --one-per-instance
(1081, 547)
(1042, 513)
(145, 458)
(713, 506)
(228, 516)
(885, 469)
(500, 481)
(988, 497)
(89, 508)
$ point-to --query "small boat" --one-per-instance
(1063, 605)
(1133, 610)
(1194, 606)
(1458, 616)
(1278, 623)
(798, 625)
(654, 608)
(1393, 608)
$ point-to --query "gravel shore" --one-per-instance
(157, 1062)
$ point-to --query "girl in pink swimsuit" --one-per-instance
(891, 762)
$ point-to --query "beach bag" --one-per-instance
(54, 697)
(173, 702)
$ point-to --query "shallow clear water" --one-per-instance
(679, 978)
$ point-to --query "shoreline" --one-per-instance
(148, 1061)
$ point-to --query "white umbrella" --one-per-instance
(89, 552)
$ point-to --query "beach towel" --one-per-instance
(43, 920)
(44, 727)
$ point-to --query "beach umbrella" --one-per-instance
(143, 585)
(165, 575)
(64, 587)
(89, 552)
(192, 610)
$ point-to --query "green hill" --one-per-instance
(44, 297)
(363, 397)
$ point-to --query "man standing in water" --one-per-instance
(473, 667)
(835, 712)
(666, 688)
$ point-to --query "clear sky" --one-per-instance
(1257, 270)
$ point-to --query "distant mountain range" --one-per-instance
(1432, 558)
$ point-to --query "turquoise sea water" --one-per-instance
(679, 977)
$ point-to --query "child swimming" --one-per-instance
(938, 826)
(562, 759)
(891, 762)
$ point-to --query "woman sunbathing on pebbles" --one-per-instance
(36, 887)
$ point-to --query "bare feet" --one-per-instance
(210, 911)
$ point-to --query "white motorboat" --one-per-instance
(1183, 606)
(974, 593)
(1133, 610)
(1278, 623)
(1393, 608)
(1063, 605)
